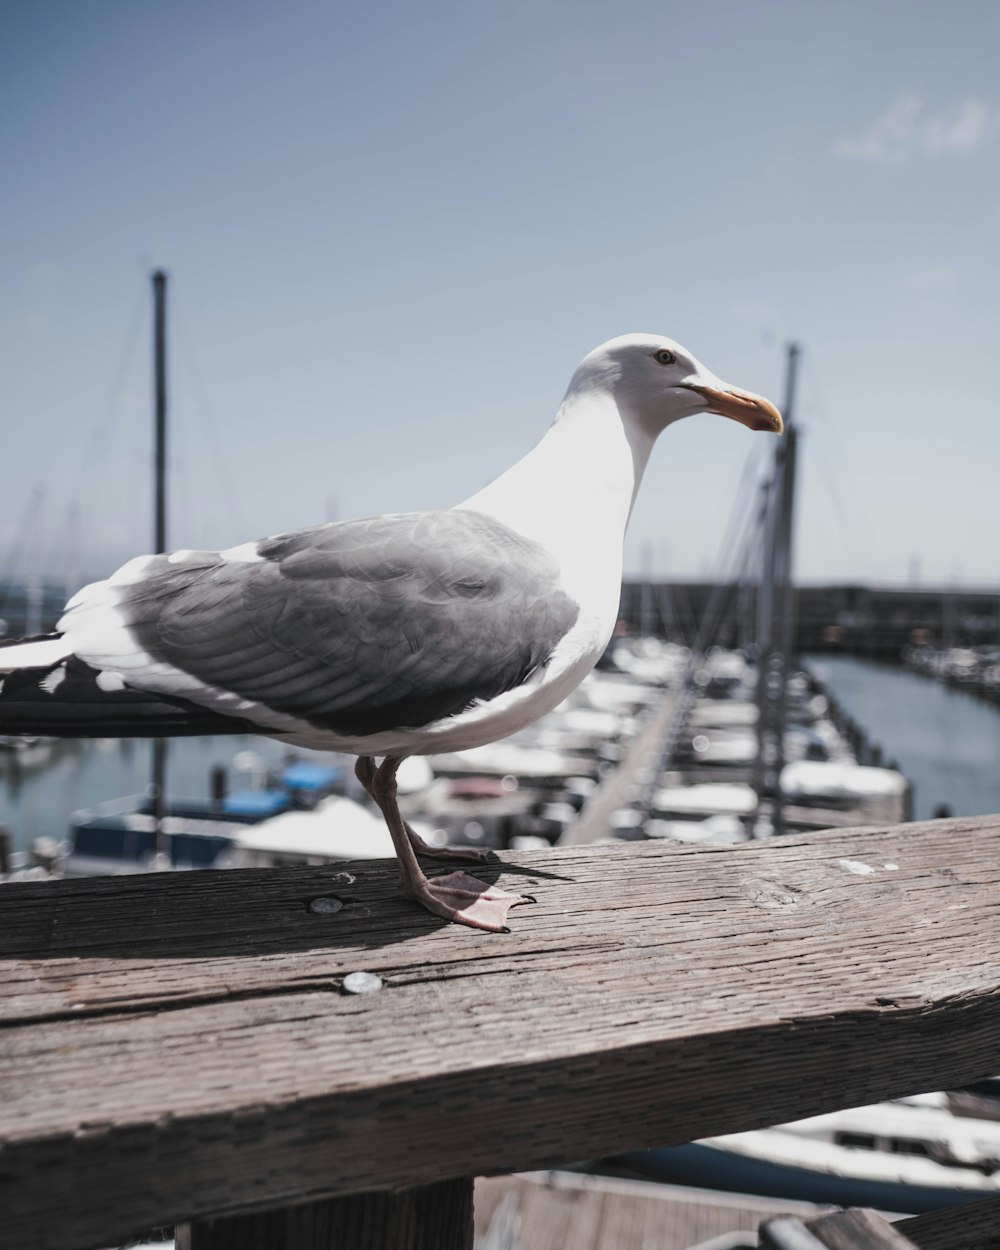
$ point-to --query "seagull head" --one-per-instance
(655, 382)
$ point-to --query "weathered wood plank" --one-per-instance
(573, 1211)
(857, 1229)
(433, 1217)
(972, 1227)
(178, 1046)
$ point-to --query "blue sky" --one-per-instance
(393, 229)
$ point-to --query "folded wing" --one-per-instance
(356, 627)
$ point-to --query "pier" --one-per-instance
(181, 1049)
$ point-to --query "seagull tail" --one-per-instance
(47, 691)
(42, 652)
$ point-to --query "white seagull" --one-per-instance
(397, 635)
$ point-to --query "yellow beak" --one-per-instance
(753, 411)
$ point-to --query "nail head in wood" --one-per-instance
(361, 983)
(325, 906)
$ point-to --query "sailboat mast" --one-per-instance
(775, 621)
(160, 409)
(159, 278)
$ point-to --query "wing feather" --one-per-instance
(361, 626)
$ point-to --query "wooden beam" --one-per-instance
(857, 1229)
(972, 1227)
(578, 1211)
(432, 1217)
(179, 1046)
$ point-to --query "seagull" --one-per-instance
(403, 634)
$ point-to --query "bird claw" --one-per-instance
(466, 900)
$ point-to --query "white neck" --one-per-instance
(573, 493)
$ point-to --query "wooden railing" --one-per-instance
(181, 1048)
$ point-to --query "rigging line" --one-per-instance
(196, 385)
(726, 584)
(29, 516)
(733, 532)
(670, 622)
(848, 533)
(849, 511)
(734, 557)
(730, 554)
(736, 536)
(683, 600)
(723, 579)
(733, 561)
(105, 423)
(857, 501)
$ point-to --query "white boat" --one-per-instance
(911, 1155)
(841, 784)
(718, 830)
(708, 799)
(338, 828)
(503, 759)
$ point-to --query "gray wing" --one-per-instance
(361, 626)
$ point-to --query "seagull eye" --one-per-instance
(663, 357)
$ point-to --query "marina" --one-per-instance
(601, 763)
(974, 669)
(722, 740)
(946, 741)
(653, 747)
(687, 748)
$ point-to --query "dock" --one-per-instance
(555, 1210)
(615, 792)
(180, 1049)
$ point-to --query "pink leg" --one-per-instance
(365, 771)
(473, 854)
(456, 896)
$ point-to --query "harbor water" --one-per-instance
(945, 741)
(42, 784)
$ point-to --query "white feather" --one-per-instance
(41, 654)
(52, 681)
(110, 682)
(245, 553)
(131, 572)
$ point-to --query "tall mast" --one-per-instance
(160, 409)
(776, 618)
(159, 278)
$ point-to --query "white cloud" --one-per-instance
(906, 129)
(969, 126)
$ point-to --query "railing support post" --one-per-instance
(430, 1217)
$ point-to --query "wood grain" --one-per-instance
(857, 1229)
(177, 1046)
(573, 1211)
(432, 1217)
(972, 1227)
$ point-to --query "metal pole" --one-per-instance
(160, 409)
(159, 780)
(761, 779)
(783, 637)
(775, 615)
(788, 534)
